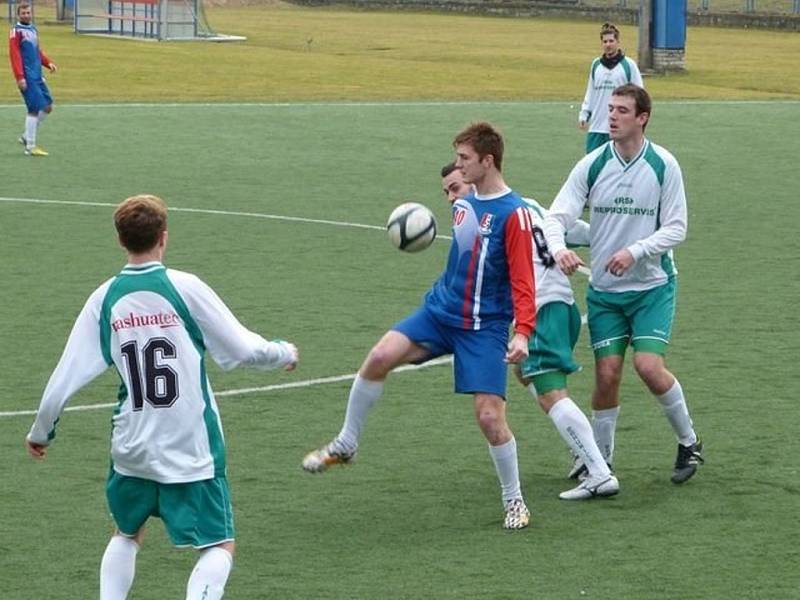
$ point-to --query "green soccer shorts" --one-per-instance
(595, 139)
(641, 318)
(550, 359)
(197, 514)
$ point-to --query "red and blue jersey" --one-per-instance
(24, 53)
(489, 273)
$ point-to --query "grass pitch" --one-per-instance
(419, 515)
(295, 53)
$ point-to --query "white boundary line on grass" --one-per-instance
(242, 391)
(389, 104)
(251, 390)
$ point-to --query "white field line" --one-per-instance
(281, 386)
(388, 104)
(252, 390)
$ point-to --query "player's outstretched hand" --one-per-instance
(53, 68)
(517, 349)
(37, 451)
(22, 84)
(292, 365)
(568, 261)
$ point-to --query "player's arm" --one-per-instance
(46, 62)
(585, 113)
(81, 362)
(15, 57)
(636, 75)
(578, 234)
(229, 342)
(519, 256)
(672, 217)
(563, 215)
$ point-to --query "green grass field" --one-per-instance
(295, 53)
(419, 515)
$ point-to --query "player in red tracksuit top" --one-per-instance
(27, 59)
(488, 282)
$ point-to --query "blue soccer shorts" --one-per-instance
(479, 355)
(37, 96)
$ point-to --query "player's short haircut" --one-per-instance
(448, 168)
(22, 5)
(640, 96)
(140, 221)
(485, 139)
(609, 28)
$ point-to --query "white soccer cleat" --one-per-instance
(517, 514)
(321, 459)
(592, 488)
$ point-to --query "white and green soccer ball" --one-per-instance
(411, 227)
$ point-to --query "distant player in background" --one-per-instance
(154, 325)
(608, 71)
(488, 281)
(544, 372)
(634, 190)
(27, 59)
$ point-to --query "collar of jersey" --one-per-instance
(500, 194)
(628, 165)
(141, 269)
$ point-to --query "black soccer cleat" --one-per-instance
(687, 461)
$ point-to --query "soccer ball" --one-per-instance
(411, 227)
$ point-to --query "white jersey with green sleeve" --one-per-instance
(603, 81)
(154, 325)
(551, 283)
(639, 205)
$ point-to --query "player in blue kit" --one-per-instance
(487, 282)
(27, 59)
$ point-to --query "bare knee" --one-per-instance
(608, 377)
(650, 367)
(379, 362)
(491, 417)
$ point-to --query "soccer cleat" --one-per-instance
(517, 514)
(689, 457)
(578, 469)
(36, 151)
(320, 459)
(592, 488)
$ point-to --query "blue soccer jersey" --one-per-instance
(489, 273)
(24, 53)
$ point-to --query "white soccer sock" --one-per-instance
(532, 390)
(674, 405)
(118, 568)
(363, 395)
(41, 117)
(507, 467)
(30, 131)
(574, 427)
(604, 425)
(209, 575)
